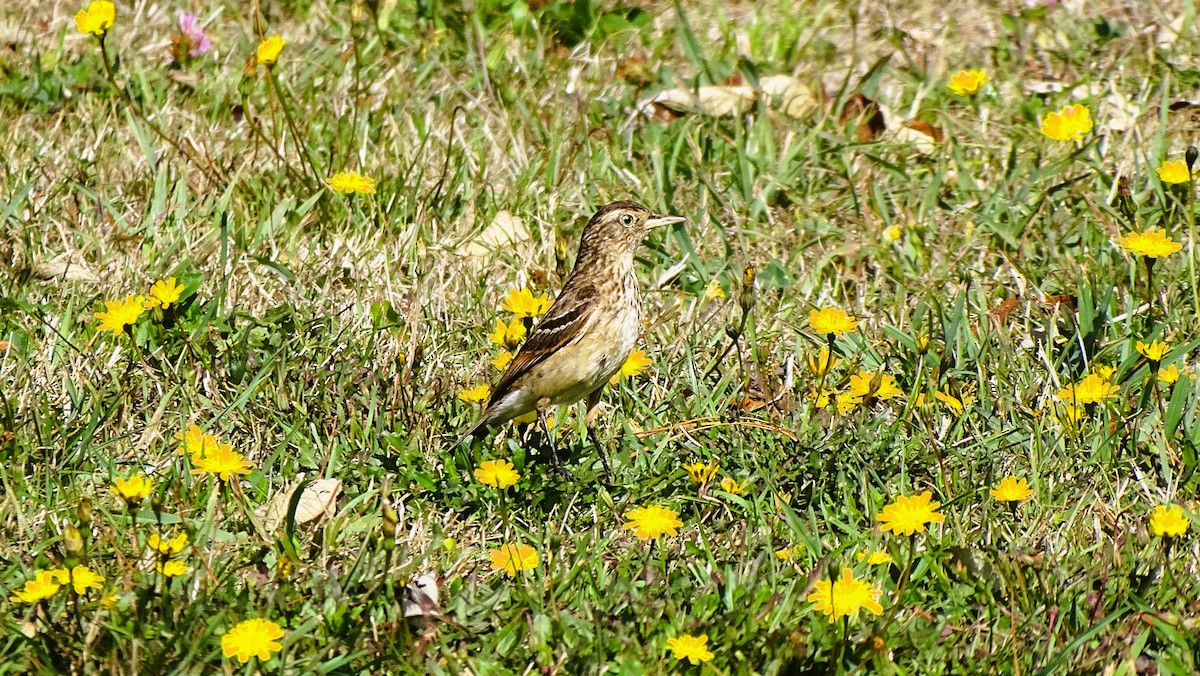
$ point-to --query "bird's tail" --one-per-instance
(477, 430)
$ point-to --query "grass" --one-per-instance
(327, 337)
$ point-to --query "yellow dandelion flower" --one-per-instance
(508, 335)
(502, 360)
(821, 399)
(785, 554)
(967, 82)
(845, 597)
(196, 442)
(874, 558)
(1012, 489)
(1152, 244)
(1071, 123)
(700, 472)
(1168, 375)
(846, 401)
(45, 584)
(522, 303)
(1153, 351)
(909, 514)
(634, 365)
(1175, 171)
(497, 473)
(252, 638)
(99, 16)
(956, 405)
(1068, 415)
(351, 182)
(893, 233)
(1090, 390)
(1169, 522)
(121, 313)
(81, 578)
(652, 522)
(831, 321)
(133, 489)
(223, 462)
(713, 291)
(873, 384)
(163, 293)
(823, 362)
(1104, 371)
(731, 486)
(269, 49)
(171, 568)
(512, 558)
(476, 394)
(691, 648)
(168, 547)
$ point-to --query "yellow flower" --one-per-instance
(222, 461)
(1168, 522)
(701, 473)
(498, 473)
(864, 385)
(1168, 375)
(81, 578)
(634, 364)
(952, 402)
(874, 558)
(1104, 371)
(1091, 389)
(713, 291)
(163, 293)
(1152, 243)
(43, 586)
(1173, 172)
(729, 485)
(823, 362)
(922, 344)
(821, 399)
(522, 304)
(1072, 123)
(966, 82)
(831, 321)
(99, 16)
(846, 401)
(893, 233)
(509, 335)
(475, 394)
(512, 558)
(785, 554)
(1070, 415)
(350, 182)
(171, 568)
(1154, 351)
(168, 547)
(652, 522)
(502, 360)
(909, 514)
(269, 49)
(195, 442)
(1012, 489)
(252, 638)
(133, 489)
(844, 597)
(690, 648)
(121, 313)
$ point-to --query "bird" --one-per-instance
(587, 334)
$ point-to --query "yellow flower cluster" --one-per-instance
(46, 583)
(127, 311)
(210, 456)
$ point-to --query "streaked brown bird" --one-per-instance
(587, 334)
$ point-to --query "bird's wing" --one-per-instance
(563, 324)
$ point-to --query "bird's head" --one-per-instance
(618, 228)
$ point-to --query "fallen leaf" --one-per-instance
(859, 107)
(788, 95)
(504, 231)
(921, 135)
(317, 499)
(64, 269)
(710, 100)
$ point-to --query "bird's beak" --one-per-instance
(659, 221)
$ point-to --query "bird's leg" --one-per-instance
(589, 421)
(543, 408)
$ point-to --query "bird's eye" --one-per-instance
(626, 220)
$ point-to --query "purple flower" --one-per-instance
(193, 34)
